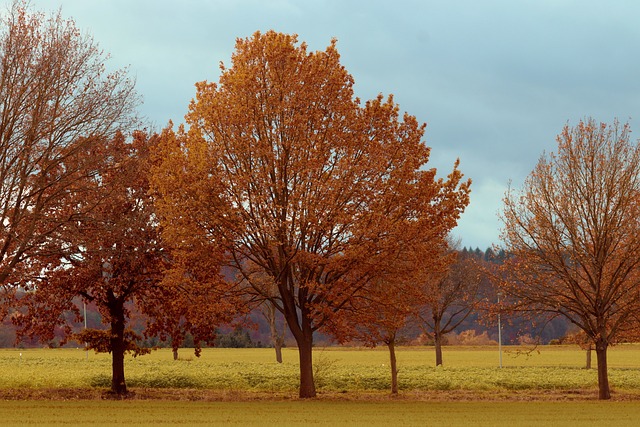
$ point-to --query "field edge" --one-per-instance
(181, 394)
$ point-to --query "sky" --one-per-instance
(495, 81)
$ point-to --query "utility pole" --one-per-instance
(499, 333)
(84, 303)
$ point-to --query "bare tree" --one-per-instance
(572, 233)
(57, 102)
(450, 296)
(270, 313)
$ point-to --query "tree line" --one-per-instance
(281, 190)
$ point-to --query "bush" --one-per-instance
(238, 338)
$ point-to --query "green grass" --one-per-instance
(322, 413)
(338, 370)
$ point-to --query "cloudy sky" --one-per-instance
(495, 81)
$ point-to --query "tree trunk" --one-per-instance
(278, 347)
(300, 323)
(437, 341)
(277, 338)
(394, 366)
(588, 364)
(303, 333)
(437, 338)
(603, 377)
(118, 385)
(307, 383)
(175, 353)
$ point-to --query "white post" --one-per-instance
(499, 334)
(85, 323)
(500, 340)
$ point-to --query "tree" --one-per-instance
(56, 101)
(449, 295)
(195, 300)
(266, 307)
(572, 235)
(270, 314)
(112, 255)
(115, 258)
(395, 299)
(283, 169)
(379, 316)
(581, 339)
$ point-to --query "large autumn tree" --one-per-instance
(284, 169)
(572, 235)
(56, 101)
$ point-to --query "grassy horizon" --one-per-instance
(337, 370)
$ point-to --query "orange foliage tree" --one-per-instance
(114, 258)
(112, 255)
(572, 235)
(282, 168)
(56, 103)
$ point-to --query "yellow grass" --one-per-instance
(338, 370)
(320, 413)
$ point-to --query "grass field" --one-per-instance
(246, 387)
(321, 413)
(338, 370)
